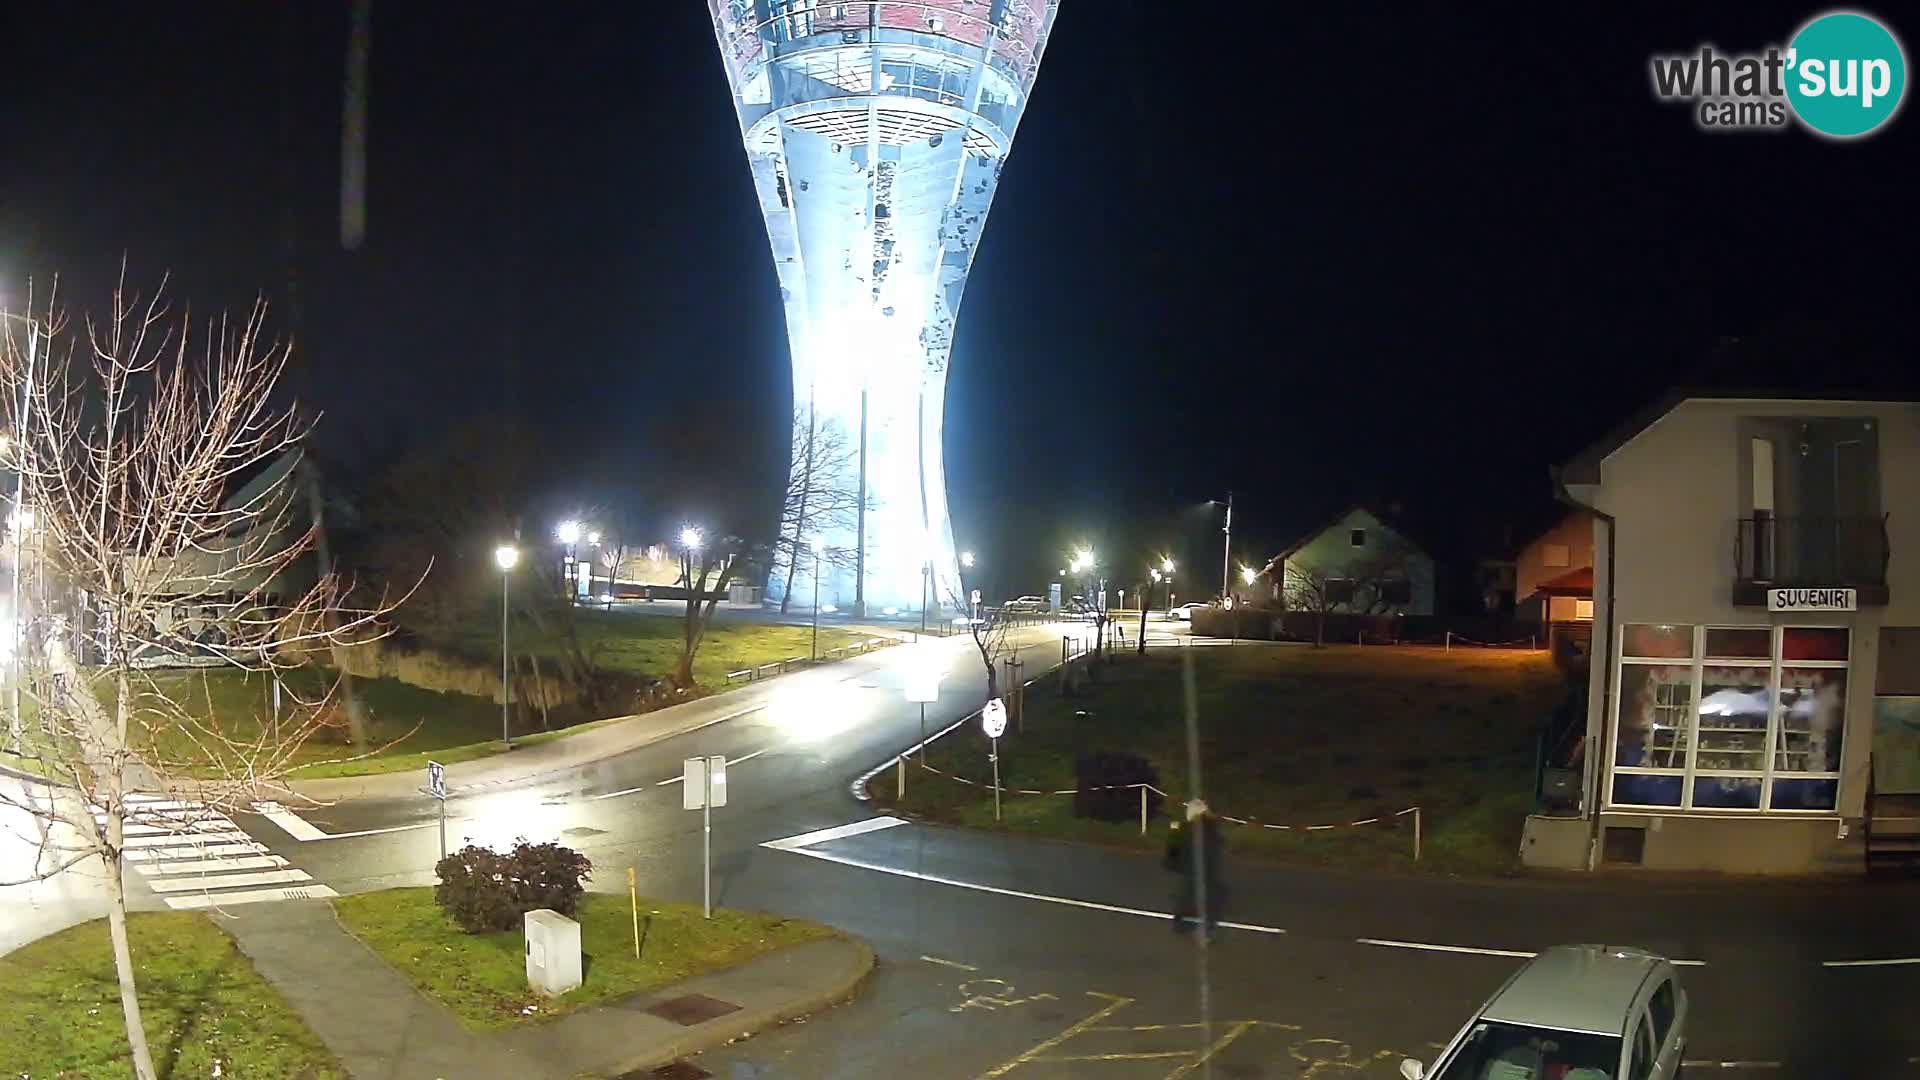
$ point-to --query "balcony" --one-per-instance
(1810, 552)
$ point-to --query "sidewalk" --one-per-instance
(383, 1029)
(571, 751)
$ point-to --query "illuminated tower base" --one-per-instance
(876, 132)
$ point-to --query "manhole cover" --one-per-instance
(691, 1009)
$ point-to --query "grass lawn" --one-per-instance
(204, 1006)
(648, 642)
(483, 977)
(1288, 735)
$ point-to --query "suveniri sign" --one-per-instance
(1810, 600)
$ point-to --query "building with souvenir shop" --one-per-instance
(1756, 635)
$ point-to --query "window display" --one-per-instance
(1730, 718)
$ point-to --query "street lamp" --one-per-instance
(690, 540)
(1226, 547)
(1166, 567)
(819, 547)
(966, 559)
(1248, 574)
(506, 556)
(568, 533)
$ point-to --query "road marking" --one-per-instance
(682, 777)
(935, 879)
(378, 832)
(821, 836)
(1470, 950)
(165, 840)
(1114, 1004)
(1731, 1064)
(191, 851)
(1894, 962)
(255, 896)
(949, 963)
(246, 862)
(1206, 1055)
(228, 881)
(296, 826)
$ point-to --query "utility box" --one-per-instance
(739, 595)
(553, 952)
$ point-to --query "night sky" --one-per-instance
(1314, 255)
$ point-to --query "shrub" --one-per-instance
(1103, 794)
(481, 889)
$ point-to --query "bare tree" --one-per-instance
(1315, 590)
(706, 572)
(129, 463)
(989, 639)
(822, 495)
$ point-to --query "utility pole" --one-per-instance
(860, 530)
(1226, 553)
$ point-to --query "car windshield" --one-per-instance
(1496, 1051)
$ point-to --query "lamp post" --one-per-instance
(593, 541)
(1166, 567)
(966, 563)
(15, 728)
(819, 547)
(690, 541)
(1226, 550)
(568, 533)
(506, 556)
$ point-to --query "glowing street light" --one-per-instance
(506, 557)
(1248, 574)
(1166, 566)
(691, 539)
(568, 532)
(593, 538)
(966, 559)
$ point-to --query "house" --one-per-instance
(1553, 581)
(1356, 564)
(1756, 602)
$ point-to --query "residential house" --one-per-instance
(1553, 581)
(1356, 564)
(1756, 592)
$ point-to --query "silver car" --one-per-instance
(1575, 1012)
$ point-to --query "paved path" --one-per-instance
(382, 1029)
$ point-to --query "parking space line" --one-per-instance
(1518, 954)
(949, 963)
(1114, 1004)
(838, 832)
(1898, 961)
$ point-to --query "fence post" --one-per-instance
(1416, 834)
(1143, 809)
(901, 772)
(1449, 641)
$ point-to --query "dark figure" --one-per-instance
(1185, 857)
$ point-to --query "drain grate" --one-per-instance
(691, 1009)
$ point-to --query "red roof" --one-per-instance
(1572, 583)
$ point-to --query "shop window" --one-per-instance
(1739, 643)
(1753, 719)
(1814, 643)
(1659, 641)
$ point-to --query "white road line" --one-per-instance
(1894, 962)
(821, 836)
(295, 825)
(678, 779)
(222, 865)
(181, 839)
(209, 825)
(997, 891)
(1517, 954)
(142, 856)
(1423, 946)
(195, 882)
(254, 896)
(1731, 1064)
(949, 963)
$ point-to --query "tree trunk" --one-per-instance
(122, 952)
(800, 519)
(1141, 646)
(356, 712)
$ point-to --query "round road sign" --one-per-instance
(993, 719)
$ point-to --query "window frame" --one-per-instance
(1661, 1026)
(1357, 537)
(1692, 771)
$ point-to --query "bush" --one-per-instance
(1103, 794)
(482, 889)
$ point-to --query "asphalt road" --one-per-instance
(1009, 957)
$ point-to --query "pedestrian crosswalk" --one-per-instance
(193, 856)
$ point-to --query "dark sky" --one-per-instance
(1311, 253)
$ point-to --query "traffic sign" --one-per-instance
(993, 718)
(437, 780)
(704, 782)
(976, 597)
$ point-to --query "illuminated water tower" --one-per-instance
(876, 131)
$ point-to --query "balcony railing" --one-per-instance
(1811, 551)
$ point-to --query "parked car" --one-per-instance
(1184, 613)
(1577, 1012)
(1025, 603)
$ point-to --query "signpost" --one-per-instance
(633, 900)
(704, 787)
(437, 790)
(993, 721)
(923, 685)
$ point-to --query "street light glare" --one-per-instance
(1248, 573)
(568, 532)
(690, 538)
(593, 538)
(506, 556)
(1167, 566)
(966, 559)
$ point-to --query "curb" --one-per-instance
(747, 1023)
